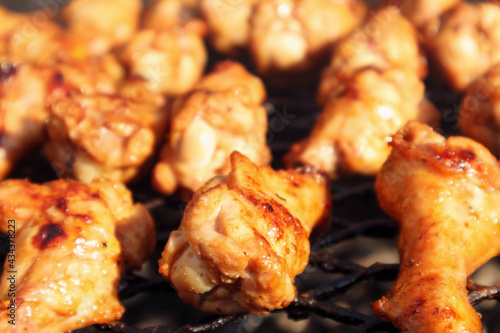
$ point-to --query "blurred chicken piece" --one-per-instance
(68, 254)
(168, 14)
(171, 61)
(244, 238)
(35, 38)
(102, 24)
(223, 113)
(351, 133)
(465, 41)
(420, 12)
(479, 116)
(387, 40)
(89, 76)
(23, 110)
(104, 135)
(26, 91)
(445, 194)
(229, 23)
(298, 35)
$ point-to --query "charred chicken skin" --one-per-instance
(464, 42)
(479, 116)
(221, 114)
(370, 90)
(445, 194)
(68, 249)
(244, 237)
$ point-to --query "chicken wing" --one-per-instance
(465, 41)
(352, 131)
(172, 61)
(387, 40)
(26, 91)
(479, 116)
(229, 23)
(23, 110)
(244, 238)
(104, 136)
(298, 35)
(35, 38)
(102, 25)
(370, 90)
(168, 14)
(223, 113)
(68, 257)
(445, 194)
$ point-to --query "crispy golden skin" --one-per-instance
(172, 61)
(386, 40)
(26, 91)
(464, 42)
(109, 136)
(244, 238)
(445, 194)
(102, 24)
(479, 116)
(68, 258)
(223, 113)
(298, 35)
(351, 134)
(420, 12)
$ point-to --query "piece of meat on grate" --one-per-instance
(69, 243)
(244, 237)
(445, 194)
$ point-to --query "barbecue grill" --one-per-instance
(351, 265)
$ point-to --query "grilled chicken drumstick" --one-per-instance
(244, 237)
(27, 90)
(103, 135)
(223, 113)
(172, 61)
(102, 25)
(371, 88)
(71, 243)
(289, 36)
(445, 194)
(464, 42)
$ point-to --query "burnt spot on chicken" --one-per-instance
(7, 70)
(48, 234)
